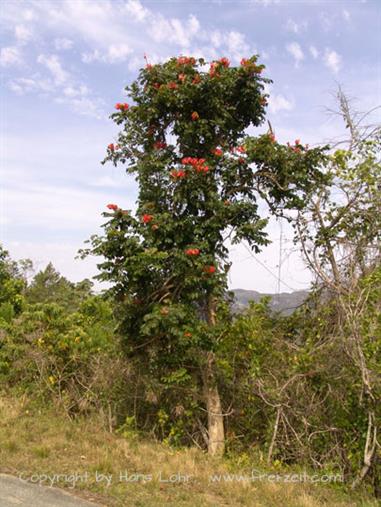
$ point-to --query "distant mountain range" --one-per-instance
(285, 302)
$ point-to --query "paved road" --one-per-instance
(15, 492)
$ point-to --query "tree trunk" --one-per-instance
(216, 431)
(369, 451)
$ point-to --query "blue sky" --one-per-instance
(64, 64)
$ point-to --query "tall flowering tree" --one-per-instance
(200, 179)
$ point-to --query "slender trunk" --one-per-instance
(275, 432)
(216, 431)
(369, 451)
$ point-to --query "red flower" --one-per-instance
(241, 149)
(209, 269)
(148, 66)
(225, 62)
(122, 107)
(172, 85)
(241, 160)
(192, 251)
(245, 62)
(196, 79)
(111, 147)
(297, 141)
(182, 77)
(197, 163)
(114, 207)
(272, 137)
(178, 174)
(218, 152)
(159, 145)
(212, 71)
(156, 85)
(147, 218)
(188, 334)
(185, 60)
(195, 116)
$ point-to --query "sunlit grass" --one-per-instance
(121, 472)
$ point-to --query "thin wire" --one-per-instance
(280, 261)
(267, 269)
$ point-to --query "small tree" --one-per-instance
(12, 286)
(200, 179)
(339, 230)
(49, 286)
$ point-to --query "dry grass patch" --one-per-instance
(124, 472)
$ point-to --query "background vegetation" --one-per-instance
(297, 391)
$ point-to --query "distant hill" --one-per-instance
(285, 302)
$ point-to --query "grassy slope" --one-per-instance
(47, 442)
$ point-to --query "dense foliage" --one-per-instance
(300, 390)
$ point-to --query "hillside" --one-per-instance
(285, 302)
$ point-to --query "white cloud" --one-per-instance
(24, 85)
(314, 52)
(114, 32)
(174, 30)
(92, 57)
(10, 56)
(193, 24)
(118, 52)
(326, 21)
(216, 38)
(63, 44)
(114, 54)
(279, 103)
(296, 52)
(111, 33)
(346, 15)
(237, 45)
(106, 181)
(266, 2)
(136, 10)
(53, 64)
(28, 15)
(84, 105)
(70, 91)
(23, 34)
(332, 60)
(70, 207)
(293, 26)
(62, 86)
